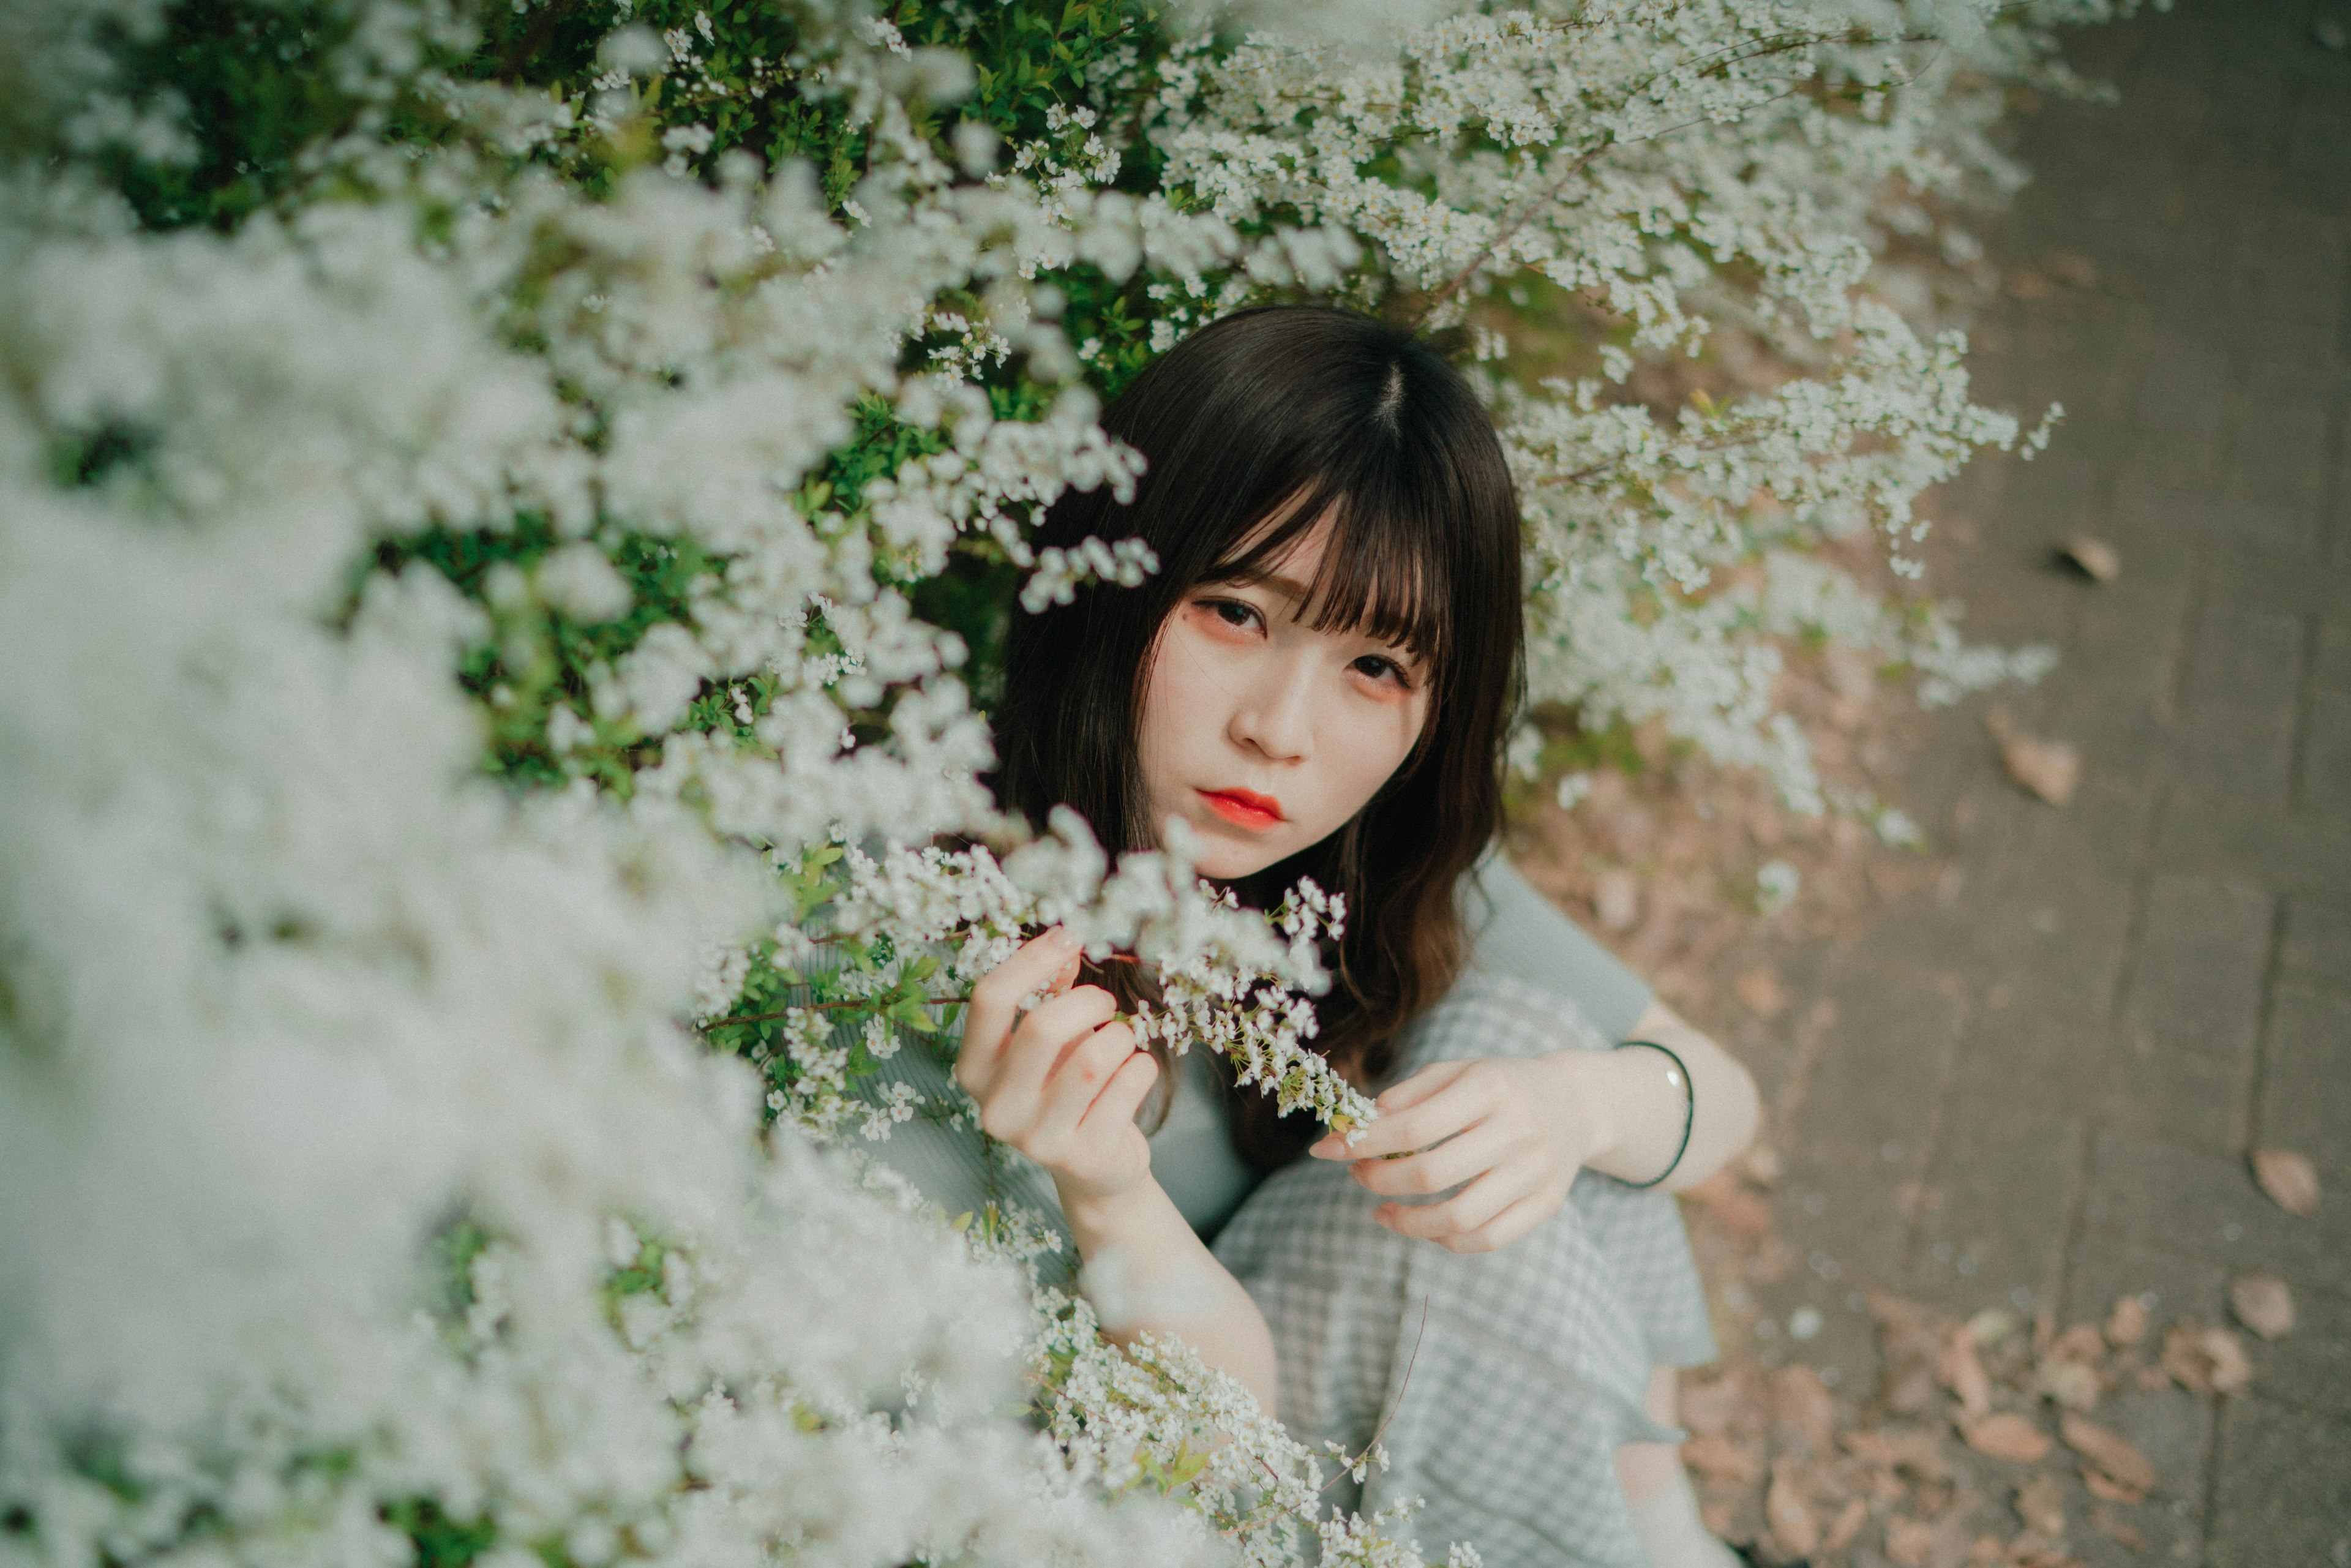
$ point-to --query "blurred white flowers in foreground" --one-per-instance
(464, 654)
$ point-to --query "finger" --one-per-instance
(1401, 1096)
(987, 1020)
(1122, 1098)
(1451, 1163)
(1465, 1211)
(1085, 1067)
(1035, 1049)
(1504, 1228)
(1452, 1108)
(1406, 1092)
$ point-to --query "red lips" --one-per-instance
(1244, 807)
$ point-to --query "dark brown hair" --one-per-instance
(1287, 414)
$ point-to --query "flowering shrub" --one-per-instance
(504, 515)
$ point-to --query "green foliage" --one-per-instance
(440, 1542)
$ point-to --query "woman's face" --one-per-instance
(1263, 734)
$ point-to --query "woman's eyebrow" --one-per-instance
(1288, 587)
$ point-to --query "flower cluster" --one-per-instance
(506, 516)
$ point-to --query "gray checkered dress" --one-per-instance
(1506, 1379)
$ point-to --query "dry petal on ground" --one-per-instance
(2205, 1360)
(1793, 1528)
(2103, 1487)
(2289, 1179)
(2024, 282)
(2007, 1436)
(2050, 768)
(1962, 1371)
(2108, 1452)
(2126, 1324)
(2263, 1303)
(2041, 1504)
(2097, 559)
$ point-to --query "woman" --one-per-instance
(1317, 682)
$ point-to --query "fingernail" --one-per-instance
(1064, 937)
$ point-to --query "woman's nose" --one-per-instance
(1275, 716)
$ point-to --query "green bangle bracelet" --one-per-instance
(1677, 1075)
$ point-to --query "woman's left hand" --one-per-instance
(1509, 1131)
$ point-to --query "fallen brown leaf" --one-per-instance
(2041, 1504)
(1909, 1541)
(2126, 1324)
(2110, 1524)
(2071, 1384)
(1962, 1371)
(2026, 284)
(2206, 1360)
(1760, 989)
(2006, 1435)
(2050, 768)
(1712, 1407)
(2289, 1179)
(2026, 1552)
(1847, 1525)
(1717, 1458)
(2097, 559)
(1728, 1203)
(2071, 267)
(2263, 1303)
(2108, 1452)
(2081, 1342)
(2100, 1486)
(1793, 1528)
(1802, 1407)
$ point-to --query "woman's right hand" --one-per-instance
(1062, 1082)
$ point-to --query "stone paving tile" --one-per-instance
(2074, 1044)
(2310, 1367)
(2305, 1097)
(2207, 1206)
(2002, 1185)
(2317, 943)
(2285, 1492)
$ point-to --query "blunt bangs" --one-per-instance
(1383, 571)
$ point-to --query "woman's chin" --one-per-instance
(1224, 857)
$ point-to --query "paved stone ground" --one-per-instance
(2039, 1083)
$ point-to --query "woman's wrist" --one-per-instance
(1596, 1094)
(1096, 1211)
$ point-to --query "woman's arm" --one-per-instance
(1511, 1132)
(1062, 1084)
(1648, 1112)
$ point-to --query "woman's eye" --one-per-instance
(1383, 669)
(1231, 613)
